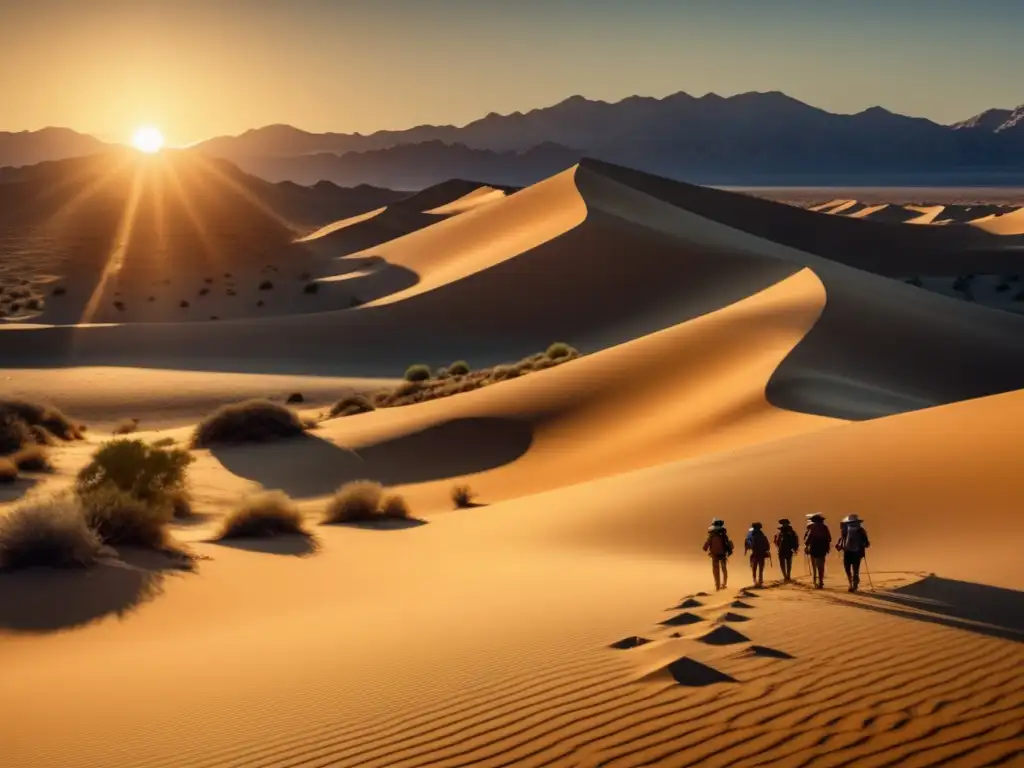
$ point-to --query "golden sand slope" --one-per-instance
(1005, 224)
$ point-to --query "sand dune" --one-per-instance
(743, 359)
(1002, 224)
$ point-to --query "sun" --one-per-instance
(148, 139)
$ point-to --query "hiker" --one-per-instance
(817, 543)
(852, 542)
(786, 544)
(759, 549)
(719, 547)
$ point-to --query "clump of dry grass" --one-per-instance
(311, 288)
(163, 442)
(459, 368)
(462, 496)
(394, 507)
(295, 397)
(418, 372)
(262, 515)
(252, 421)
(126, 427)
(350, 406)
(130, 491)
(8, 471)
(39, 415)
(358, 501)
(14, 434)
(266, 285)
(50, 532)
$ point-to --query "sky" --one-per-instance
(199, 68)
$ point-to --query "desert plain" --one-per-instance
(725, 355)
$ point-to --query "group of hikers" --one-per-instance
(817, 543)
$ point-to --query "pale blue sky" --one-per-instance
(198, 68)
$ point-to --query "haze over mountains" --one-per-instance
(747, 139)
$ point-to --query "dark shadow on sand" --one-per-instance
(992, 611)
(292, 544)
(50, 599)
(12, 491)
(307, 466)
(384, 523)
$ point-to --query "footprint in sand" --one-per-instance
(731, 617)
(688, 602)
(765, 652)
(682, 620)
(692, 673)
(722, 635)
(625, 643)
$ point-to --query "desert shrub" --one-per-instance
(208, 280)
(37, 415)
(295, 397)
(32, 458)
(151, 299)
(253, 421)
(311, 288)
(8, 471)
(441, 373)
(407, 388)
(227, 275)
(259, 303)
(354, 502)
(459, 368)
(266, 285)
(394, 507)
(417, 372)
(50, 532)
(462, 496)
(214, 317)
(183, 304)
(350, 406)
(135, 468)
(122, 518)
(261, 515)
(14, 434)
(60, 290)
(15, 306)
(35, 304)
(126, 427)
(204, 291)
(163, 442)
(231, 292)
(560, 350)
(180, 501)
(119, 306)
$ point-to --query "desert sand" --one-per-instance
(741, 358)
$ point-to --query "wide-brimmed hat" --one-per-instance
(852, 519)
(783, 521)
(717, 522)
(754, 526)
(814, 516)
(713, 528)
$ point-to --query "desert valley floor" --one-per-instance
(739, 358)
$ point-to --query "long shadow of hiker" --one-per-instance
(980, 608)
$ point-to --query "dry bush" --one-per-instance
(462, 496)
(459, 368)
(32, 458)
(183, 304)
(266, 285)
(295, 397)
(253, 421)
(38, 415)
(180, 501)
(394, 507)
(14, 434)
(350, 406)
(126, 427)
(354, 502)
(60, 290)
(8, 471)
(417, 372)
(121, 518)
(262, 515)
(163, 442)
(49, 532)
(311, 288)
(136, 468)
(407, 388)
(560, 350)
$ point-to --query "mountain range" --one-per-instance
(748, 139)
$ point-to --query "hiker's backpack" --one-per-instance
(788, 541)
(719, 544)
(758, 543)
(856, 540)
(818, 539)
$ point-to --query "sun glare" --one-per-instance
(148, 139)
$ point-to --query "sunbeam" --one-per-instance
(119, 247)
(207, 242)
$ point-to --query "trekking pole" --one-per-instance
(868, 572)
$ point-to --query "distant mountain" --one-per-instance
(30, 147)
(994, 121)
(751, 138)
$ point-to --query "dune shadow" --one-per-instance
(48, 600)
(986, 610)
(293, 545)
(308, 466)
(12, 491)
(384, 523)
